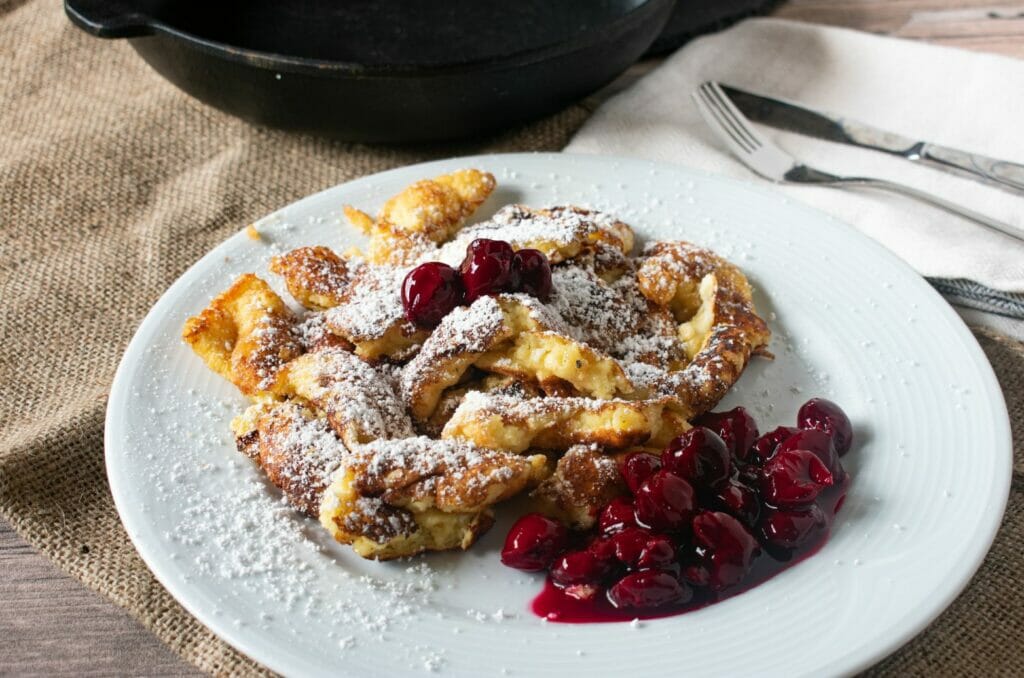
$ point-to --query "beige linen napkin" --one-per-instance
(963, 99)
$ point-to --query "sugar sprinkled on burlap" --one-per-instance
(111, 183)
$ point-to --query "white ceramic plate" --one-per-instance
(931, 467)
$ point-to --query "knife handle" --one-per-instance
(1000, 173)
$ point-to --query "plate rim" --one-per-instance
(235, 637)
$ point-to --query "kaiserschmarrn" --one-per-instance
(401, 438)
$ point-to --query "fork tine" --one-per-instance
(736, 132)
(716, 121)
(723, 121)
(737, 120)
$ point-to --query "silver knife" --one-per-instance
(792, 117)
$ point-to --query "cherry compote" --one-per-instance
(533, 542)
(719, 512)
(700, 456)
(736, 428)
(819, 413)
(487, 268)
(432, 290)
(531, 273)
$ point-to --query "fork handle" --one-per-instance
(934, 200)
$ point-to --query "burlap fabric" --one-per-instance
(111, 184)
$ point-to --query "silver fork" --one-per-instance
(771, 162)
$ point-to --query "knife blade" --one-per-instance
(792, 117)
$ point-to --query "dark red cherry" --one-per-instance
(825, 415)
(821, 444)
(794, 477)
(649, 588)
(580, 567)
(665, 502)
(629, 543)
(430, 292)
(791, 528)
(725, 547)
(638, 467)
(603, 548)
(531, 273)
(764, 448)
(740, 501)
(735, 427)
(487, 268)
(533, 542)
(699, 456)
(616, 515)
(658, 552)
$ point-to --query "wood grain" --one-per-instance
(51, 625)
(980, 25)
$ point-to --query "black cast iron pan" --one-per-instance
(383, 70)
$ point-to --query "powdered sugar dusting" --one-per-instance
(358, 401)
(448, 471)
(371, 305)
(424, 456)
(263, 549)
(614, 318)
(273, 337)
(312, 331)
(519, 226)
(467, 329)
(299, 453)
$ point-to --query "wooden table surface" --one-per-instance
(50, 624)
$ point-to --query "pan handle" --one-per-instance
(110, 18)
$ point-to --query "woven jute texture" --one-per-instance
(111, 184)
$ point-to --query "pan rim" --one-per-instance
(644, 11)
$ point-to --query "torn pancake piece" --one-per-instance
(422, 214)
(298, 451)
(316, 277)
(246, 335)
(395, 498)
(357, 399)
(370, 316)
(585, 479)
(718, 324)
(511, 335)
(557, 423)
(561, 233)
